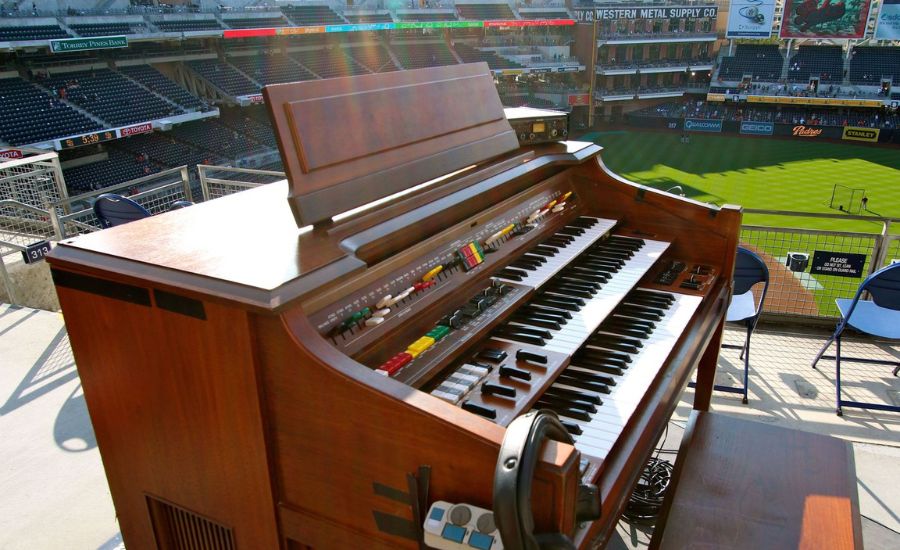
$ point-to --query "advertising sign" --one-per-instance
(757, 128)
(144, 128)
(638, 12)
(824, 19)
(838, 264)
(855, 133)
(11, 154)
(750, 19)
(579, 99)
(888, 27)
(831, 102)
(81, 44)
(700, 125)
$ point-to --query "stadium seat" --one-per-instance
(878, 317)
(112, 210)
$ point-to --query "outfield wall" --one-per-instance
(805, 132)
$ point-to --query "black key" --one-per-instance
(600, 368)
(583, 222)
(581, 382)
(545, 301)
(571, 413)
(571, 427)
(611, 342)
(598, 357)
(586, 406)
(571, 230)
(534, 258)
(523, 338)
(567, 279)
(535, 321)
(543, 251)
(580, 395)
(565, 290)
(537, 308)
(541, 314)
(564, 299)
(527, 330)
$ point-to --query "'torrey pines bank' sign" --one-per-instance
(81, 44)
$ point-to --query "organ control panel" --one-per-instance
(345, 375)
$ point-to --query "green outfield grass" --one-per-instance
(773, 174)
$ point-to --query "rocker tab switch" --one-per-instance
(496, 389)
(513, 372)
(487, 412)
(531, 357)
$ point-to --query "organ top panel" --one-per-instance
(406, 129)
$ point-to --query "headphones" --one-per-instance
(752, 12)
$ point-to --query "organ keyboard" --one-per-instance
(317, 376)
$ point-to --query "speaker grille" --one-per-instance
(180, 529)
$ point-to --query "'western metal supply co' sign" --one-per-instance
(80, 44)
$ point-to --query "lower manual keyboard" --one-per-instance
(597, 394)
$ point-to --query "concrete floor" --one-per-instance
(56, 495)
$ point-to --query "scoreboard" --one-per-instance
(88, 139)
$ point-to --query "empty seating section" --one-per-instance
(223, 76)
(108, 29)
(216, 139)
(120, 166)
(374, 56)
(369, 18)
(494, 61)
(164, 149)
(256, 23)
(312, 15)
(546, 15)
(31, 116)
(420, 55)
(824, 62)
(764, 62)
(244, 123)
(271, 69)
(329, 63)
(416, 16)
(479, 12)
(870, 64)
(188, 25)
(110, 96)
(155, 81)
(42, 32)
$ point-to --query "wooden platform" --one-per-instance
(744, 484)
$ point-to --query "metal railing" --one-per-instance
(831, 263)
(218, 181)
(156, 192)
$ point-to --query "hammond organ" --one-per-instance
(317, 376)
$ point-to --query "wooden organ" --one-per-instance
(256, 385)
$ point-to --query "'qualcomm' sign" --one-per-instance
(698, 125)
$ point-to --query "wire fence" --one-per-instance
(156, 193)
(219, 181)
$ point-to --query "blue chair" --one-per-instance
(879, 317)
(749, 269)
(112, 210)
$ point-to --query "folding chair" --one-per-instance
(749, 269)
(112, 210)
(879, 317)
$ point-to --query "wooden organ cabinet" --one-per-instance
(316, 376)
